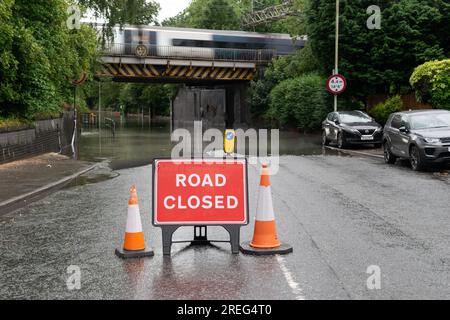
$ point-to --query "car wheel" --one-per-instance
(415, 159)
(341, 141)
(325, 140)
(388, 156)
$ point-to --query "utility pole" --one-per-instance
(336, 56)
(99, 104)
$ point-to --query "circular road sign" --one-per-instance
(336, 84)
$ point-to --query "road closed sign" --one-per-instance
(200, 192)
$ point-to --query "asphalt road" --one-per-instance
(341, 214)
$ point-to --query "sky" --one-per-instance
(170, 8)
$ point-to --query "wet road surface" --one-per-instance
(341, 214)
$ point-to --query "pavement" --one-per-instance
(28, 179)
(343, 215)
(360, 151)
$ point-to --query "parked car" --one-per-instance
(351, 128)
(423, 137)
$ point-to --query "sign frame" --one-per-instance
(233, 227)
(344, 88)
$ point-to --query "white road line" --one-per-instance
(290, 279)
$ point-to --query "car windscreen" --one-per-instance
(354, 118)
(430, 121)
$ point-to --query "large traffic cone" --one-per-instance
(265, 240)
(134, 243)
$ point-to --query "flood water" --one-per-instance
(137, 143)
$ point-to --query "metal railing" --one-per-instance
(111, 124)
(191, 53)
(269, 14)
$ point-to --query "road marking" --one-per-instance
(290, 279)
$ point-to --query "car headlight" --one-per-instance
(379, 129)
(350, 130)
(432, 140)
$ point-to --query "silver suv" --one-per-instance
(422, 136)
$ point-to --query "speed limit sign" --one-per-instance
(336, 84)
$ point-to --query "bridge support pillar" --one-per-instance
(220, 107)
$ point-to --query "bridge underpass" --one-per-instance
(214, 86)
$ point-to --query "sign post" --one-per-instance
(200, 193)
(336, 52)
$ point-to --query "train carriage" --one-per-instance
(167, 42)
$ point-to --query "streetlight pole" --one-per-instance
(336, 56)
(99, 105)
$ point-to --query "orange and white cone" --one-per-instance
(265, 240)
(134, 243)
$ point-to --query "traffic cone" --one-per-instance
(134, 243)
(265, 240)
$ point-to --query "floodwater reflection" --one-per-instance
(135, 144)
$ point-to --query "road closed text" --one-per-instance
(206, 201)
(199, 191)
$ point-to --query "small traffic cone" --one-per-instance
(265, 240)
(134, 243)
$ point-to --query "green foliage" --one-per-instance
(382, 111)
(431, 81)
(379, 61)
(302, 101)
(123, 11)
(40, 57)
(13, 124)
(284, 68)
(207, 14)
(131, 97)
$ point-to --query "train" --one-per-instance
(152, 41)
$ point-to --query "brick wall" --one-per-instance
(409, 101)
(51, 135)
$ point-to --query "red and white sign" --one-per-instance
(200, 191)
(336, 84)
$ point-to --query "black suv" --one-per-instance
(422, 136)
(351, 128)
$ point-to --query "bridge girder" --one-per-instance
(172, 73)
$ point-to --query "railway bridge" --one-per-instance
(214, 66)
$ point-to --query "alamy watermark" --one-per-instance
(250, 143)
(74, 20)
(374, 21)
(73, 281)
(374, 280)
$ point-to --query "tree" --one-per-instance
(431, 81)
(302, 62)
(40, 57)
(8, 62)
(123, 11)
(302, 101)
(378, 61)
(207, 14)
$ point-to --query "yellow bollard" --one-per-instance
(228, 143)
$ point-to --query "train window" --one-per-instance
(217, 44)
(137, 36)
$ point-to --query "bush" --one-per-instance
(382, 111)
(302, 101)
(431, 81)
(13, 123)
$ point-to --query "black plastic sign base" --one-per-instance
(127, 254)
(168, 231)
(284, 248)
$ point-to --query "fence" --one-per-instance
(53, 135)
(192, 53)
